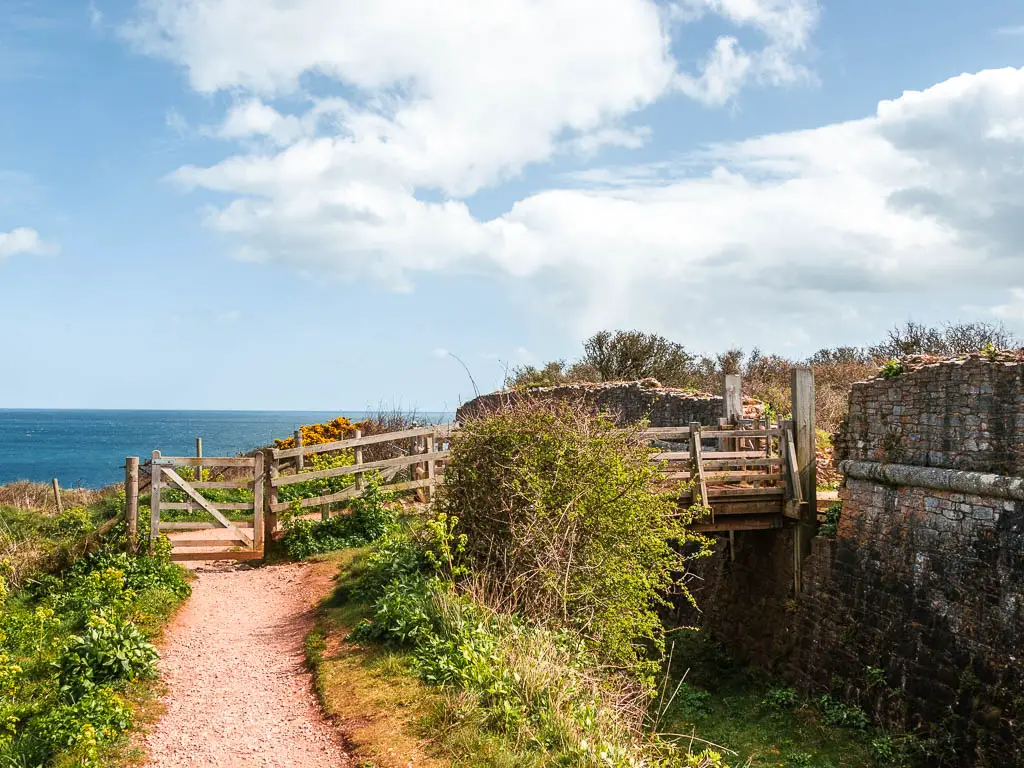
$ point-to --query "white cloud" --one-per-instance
(22, 240)
(95, 17)
(786, 26)
(1012, 31)
(1013, 310)
(921, 201)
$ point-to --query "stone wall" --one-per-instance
(916, 609)
(630, 401)
(966, 415)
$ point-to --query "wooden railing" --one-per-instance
(418, 465)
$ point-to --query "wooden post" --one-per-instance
(131, 501)
(300, 460)
(154, 502)
(805, 465)
(270, 499)
(732, 399)
(358, 453)
(732, 394)
(697, 465)
(257, 501)
(418, 472)
(431, 469)
(56, 496)
(198, 474)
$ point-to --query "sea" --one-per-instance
(87, 449)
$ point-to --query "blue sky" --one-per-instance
(222, 204)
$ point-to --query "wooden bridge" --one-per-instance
(750, 475)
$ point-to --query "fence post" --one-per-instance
(131, 501)
(270, 499)
(56, 497)
(732, 401)
(697, 465)
(154, 502)
(300, 460)
(419, 470)
(431, 469)
(198, 475)
(806, 466)
(358, 454)
(257, 501)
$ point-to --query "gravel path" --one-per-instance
(238, 691)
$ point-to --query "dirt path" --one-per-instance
(238, 691)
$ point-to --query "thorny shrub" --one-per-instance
(564, 525)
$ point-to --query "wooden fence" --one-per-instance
(750, 470)
(417, 465)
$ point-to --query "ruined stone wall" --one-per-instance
(629, 401)
(965, 415)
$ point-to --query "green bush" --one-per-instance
(368, 518)
(106, 652)
(831, 524)
(781, 698)
(72, 523)
(538, 687)
(892, 369)
(563, 520)
(835, 712)
(80, 727)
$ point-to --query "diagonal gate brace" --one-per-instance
(198, 498)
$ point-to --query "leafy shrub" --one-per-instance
(540, 686)
(831, 524)
(835, 712)
(72, 523)
(399, 555)
(561, 516)
(891, 369)
(80, 727)
(106, 652)
(781, 698)
(369, 517)
(693, 702)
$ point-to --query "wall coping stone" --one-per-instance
(936, 478)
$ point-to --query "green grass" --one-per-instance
(764, 724)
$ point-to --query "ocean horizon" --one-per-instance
(86, 448)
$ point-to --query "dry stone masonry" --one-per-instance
(629, 401)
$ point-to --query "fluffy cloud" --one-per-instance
(21, 240)
(786, 26)
(426, 108)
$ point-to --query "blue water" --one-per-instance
(87, 448)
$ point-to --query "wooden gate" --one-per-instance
(237, 540)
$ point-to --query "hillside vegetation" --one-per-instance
(516, 621)
(77, 616)
(630, 355)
